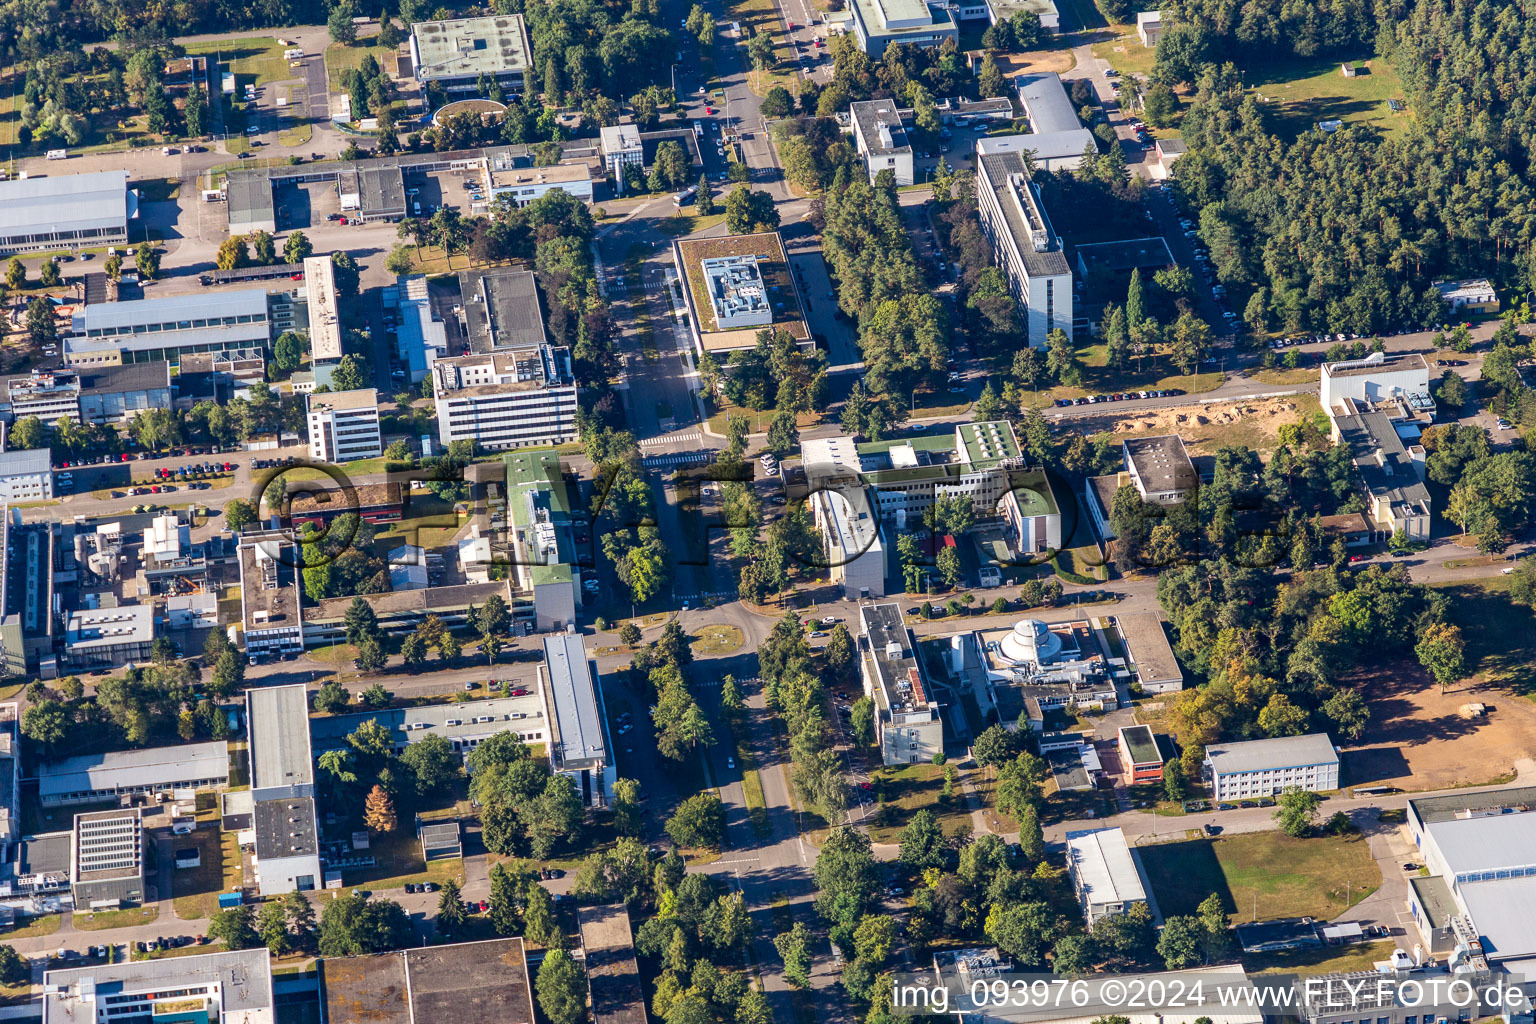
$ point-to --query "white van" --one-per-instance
(58, 154)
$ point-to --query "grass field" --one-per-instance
(1498, 633)
(1301, 92)
(195, 891)
(340, 56)
(39, 927)
(690, 223)
(1321, 959)
(398, 856)
(105, 919)
(717, 639)
(1263, 873)
(257, 59)
(912, 788)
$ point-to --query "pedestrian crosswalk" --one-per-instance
(713, 595)
(674, 459)
(671, 438)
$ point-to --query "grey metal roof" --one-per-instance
(382, 190)
(573, 701)
(65, 202)
(1265, 755)
(1127, 254)
(501, 308)
(128, 377)
(1384, 465)
(244, 978)
(1435, 898)
(1044, 145)
(502, 713)
(1501, 913)
(172, 309)
(1101, 865)
(249, 198)
(279, 723)
(25, 462)
(131, 768)
(1046, 102)
(1450, 805)
(1161, 462)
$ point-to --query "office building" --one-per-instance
(108, 637)
(578, 744)
(232, 987)
(10, 781)
(701, 261)
(880, 137)
(106, 857)
(518, 186)
(1003, 10)
(162, 329)
(621, 150)
(1105, 268)
(461, 982)
(541, 544)
(908, 728)
(1106, 876)
(401, 611)
(1378, 407)
(272, 623)
(506, 399)
(344, 426)
(90, 778)
(456, 54)
(1140, 758)
(852, 541)
(26, 474)
(1027, 248)
(1266, 768)
(465, 726)
(879, 23)
(282, 794)
(322, 310)
(1056, 140)
(49, 395)
(1160, 468)
(66, 211)
(27, 630)
(1152, 661)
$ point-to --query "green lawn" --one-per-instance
(1300, 92)
(104, 919)
(911, 788)
(1321, 959)
(1266, 873)
(398, 857)
(195, 891)
(257, 59)
(340, 56)
(1500, 635)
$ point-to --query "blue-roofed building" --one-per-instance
(145, 330)
(578, 730)
(420, 338)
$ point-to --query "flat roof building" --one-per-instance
(232, 987)
(65, 211)
(578, 745)
(344, 425)
(1151, 655)
(454, 54)
(710, 333)
(1027, 248)
(98, 638)
(1473, 295)
(453, 984)
(27, 629)
(1056, 139)
(106, 856)
(541, 545)
(1264, 768)
(880, 136)
(1105, 874)
(851, 540)
(737, 296)
(879, 23)
(505, 399)
(1106, 267)
(465, 726)
(613, 974)
(282, 790)
(321, 306)
(908, 728)
(162, 329)
(1140, 756)
(90, 778)
(501, 310)
(1160, 468)
(272, 623)
(26, 474)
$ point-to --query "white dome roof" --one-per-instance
(1032, 641)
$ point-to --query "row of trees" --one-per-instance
(794, 679)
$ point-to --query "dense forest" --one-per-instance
(1346, 232)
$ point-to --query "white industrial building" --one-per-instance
(1057, 140)
(1266, 768)
(851, 540)
(737, 295)
(465, 726)
(65, 211)
(457, 54)
(1475, 906)
(578, 743)
(107, 638)
(1376, 378)
(233, 987)
(1106, 876)
(90, 778)
(320, 305)
(908, 727)
(1027, 248)
(284, 832)
(879, 23)
(1160, 468)
(622, 149)
(26, 474)
(344, 425)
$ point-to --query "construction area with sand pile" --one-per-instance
(1253, 423)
